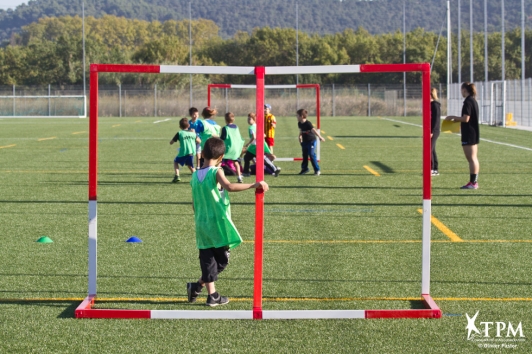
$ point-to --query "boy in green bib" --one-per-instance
(233, 143)
(216, 234)
(187, 148)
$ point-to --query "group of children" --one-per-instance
(195, 132)
(211, 146)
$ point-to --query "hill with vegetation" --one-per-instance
(50, 51)
(231, 16)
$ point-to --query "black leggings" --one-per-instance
(249, 156)
(434, 158)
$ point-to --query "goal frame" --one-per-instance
(317, 89)
(86, 310)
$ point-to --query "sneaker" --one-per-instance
(193, 291)
(434, 173)
(470, 186)
(176, 179)
(245, 174)
(317, 173)
(239, 179)
(277, 171)
(304, 171)
(221, 300)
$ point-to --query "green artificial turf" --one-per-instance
(344, 240)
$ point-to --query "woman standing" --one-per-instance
(470, 132)
(435, 121)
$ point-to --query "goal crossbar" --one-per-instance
(86, 310)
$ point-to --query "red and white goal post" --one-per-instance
(85, 310)
(315, 87)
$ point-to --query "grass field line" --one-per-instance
(270, 299)
(340, 146)
(7, 146)
(482, 139)
(43, 139)
(75, 133)
(454, 237)
(115, 125)
(329, 137)
(372, 171)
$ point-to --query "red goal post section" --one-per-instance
(316, 87)
(86, 310)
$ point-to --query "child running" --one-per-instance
(208, 127)
(252, 149)
(216, 234)
(307, 139)
(196, 124)
(187, 148)
(233, 143)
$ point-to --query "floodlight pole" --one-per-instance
(190, 48)
(503, 56)
(522, 60)
(471, 74)
(449, 51)
(297, 54)
(459, 42)
(83, 40)
(404, 58)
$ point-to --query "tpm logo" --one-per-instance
(493, 331)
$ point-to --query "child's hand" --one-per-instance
(263, 185)
(321, 138)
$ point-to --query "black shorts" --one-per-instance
(213, 261)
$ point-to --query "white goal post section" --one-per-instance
(315, 87)
(50, 106)
(86, 310)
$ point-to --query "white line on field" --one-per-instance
(486, 140)
(164, 120)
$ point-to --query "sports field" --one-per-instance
(348, 239)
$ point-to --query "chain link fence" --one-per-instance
(154, 101)
(501, 103)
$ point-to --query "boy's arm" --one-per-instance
(300, 137)
(252, 139)
(274, 121)
(237, 187)
(318, 134)
(175, 138)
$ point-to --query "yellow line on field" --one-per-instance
(329, 137)
(75, 133)
(7, 146)
(323, 131)
(340, 146)
(42, 139)
(454, 237)
(138, 121)
(116, 125)
(271, 299)
(372, 171)
(384, 241)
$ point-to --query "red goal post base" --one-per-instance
(85, 310)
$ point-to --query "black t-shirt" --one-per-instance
(307, 133)
(470, 130)
(435, 117)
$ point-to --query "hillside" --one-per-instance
(315, 16)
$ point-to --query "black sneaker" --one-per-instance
(176, 179)
(277, 171)
(221, 300)
(304, 171)
(193, 291)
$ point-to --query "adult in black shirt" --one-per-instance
(469, 125)
(307, 139)
(435, 117)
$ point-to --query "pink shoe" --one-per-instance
(470, 186)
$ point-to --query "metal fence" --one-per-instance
(156, 101)
(501, 103)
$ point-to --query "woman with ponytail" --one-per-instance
(469, 125)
